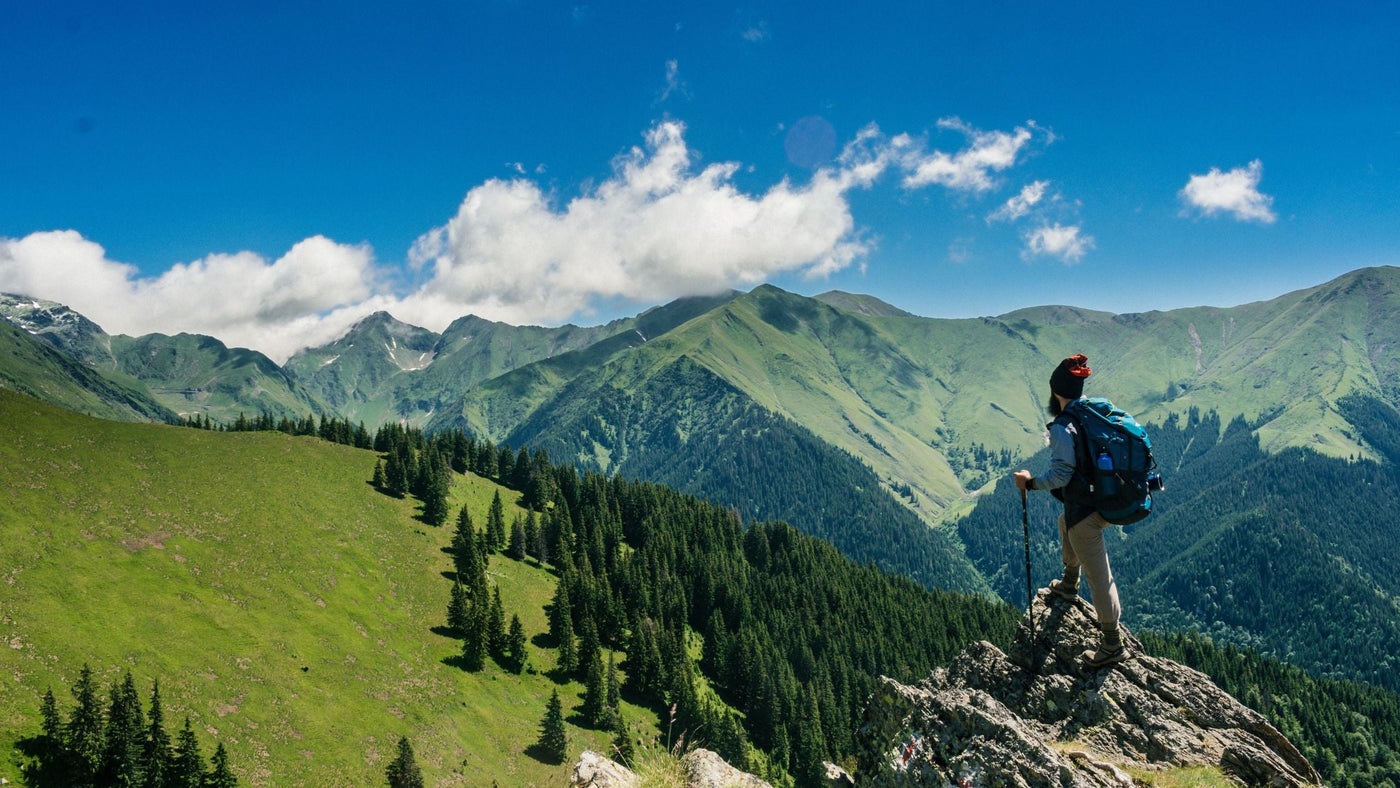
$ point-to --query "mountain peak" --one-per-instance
(996, 714)
(861, 304)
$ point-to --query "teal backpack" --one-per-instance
(1117, 460)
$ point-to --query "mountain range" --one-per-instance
(854, 420)
(935, 407)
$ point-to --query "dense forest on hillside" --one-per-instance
(715, 441)
(792, 634)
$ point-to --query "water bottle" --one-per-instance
(1108, 483)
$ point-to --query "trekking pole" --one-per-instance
(1026, 532)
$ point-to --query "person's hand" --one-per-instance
(1023, 478)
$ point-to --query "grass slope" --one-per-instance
(285, 606)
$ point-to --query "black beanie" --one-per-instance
(1068, 378)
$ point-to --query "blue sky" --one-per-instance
(268, 173)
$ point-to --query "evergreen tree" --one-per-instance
(516, 548)
(590, 648)
(379, 480)
(553, 743)
(561, 628)
(515, 646)
(474, 645)
(595, 694)
(157, 759)
(435, 495)
(624, 752)
(496, 626)
(614, 698)
(532, 535)
(809, 750)
(53, 760)
(125, 735)
(458, 610)
(188, 767)
(496, 524)
(395, 474)
(403, 771)
(83, 735)
(220, 776)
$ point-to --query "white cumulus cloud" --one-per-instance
(1056, 240)
(308, 296)
(1020, 204)
(1235, 192)
(971, 168)
(654, 230)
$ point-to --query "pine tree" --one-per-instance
(188, 767)
(624, 751)
(810, 748)
(561, 628)
(157, 759)
(125, 735)
(590, 648)
(516, 549)
(515, 646)
(403, 771)
(53, 760)
(83, 735)
(614, 698)
(474, 645)
(595, 693)
(379, 480)
(554, 742)
(220, 776)
(496, 524)
(458, 610)
(532, 535)
(496, 626)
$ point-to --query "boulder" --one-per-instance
(1037, 716)
(703, 769)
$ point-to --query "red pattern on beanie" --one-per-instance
(1079, 365)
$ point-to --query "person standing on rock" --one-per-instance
(1081, 527)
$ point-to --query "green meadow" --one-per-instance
(287, 607)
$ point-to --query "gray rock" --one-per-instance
(990, 718)
(597, 771)
(705, 769)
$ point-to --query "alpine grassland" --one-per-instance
(292, 611)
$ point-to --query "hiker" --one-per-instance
(1081, 526)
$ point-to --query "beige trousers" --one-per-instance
(1083, 546)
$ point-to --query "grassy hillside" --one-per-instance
(285, 606)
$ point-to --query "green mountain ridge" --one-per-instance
(188, 374)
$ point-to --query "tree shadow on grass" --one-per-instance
(542, 755)
(447, 632)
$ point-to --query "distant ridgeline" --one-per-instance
(1291, 554)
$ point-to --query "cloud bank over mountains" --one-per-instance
(657, 228)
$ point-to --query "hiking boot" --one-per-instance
(1066, 587)
(1111, 650)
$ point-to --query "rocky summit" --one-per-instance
(1038, 717)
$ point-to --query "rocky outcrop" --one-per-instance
(1038, 717)
(703, 769)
